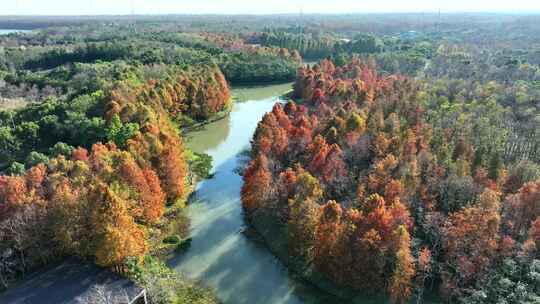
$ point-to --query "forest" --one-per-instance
(411, 171)
(94, 163)
(403, 165)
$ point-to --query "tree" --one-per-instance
(201, 165)
(119, 132)
(118, 236)
(154, 198)
(429, 161)
(70, 211)
(151, 200)
(303, 215)
(495, 165)
(381, 174)
(530, 248)
(9, 144)
(80, 154)
(424, 270)
(61, 148)
(330, 254)
(522, 173)
(14, 191)
(35, 158)
(173, 170)
(400, 287)
(470, 241)
(16, 169)
(522, 208)
(257, 184)
(301, 227)
(100, 295)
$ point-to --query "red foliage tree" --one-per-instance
(80, 154)
(257, 184)
(328, 245)
(470, 241)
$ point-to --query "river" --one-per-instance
(240, 269)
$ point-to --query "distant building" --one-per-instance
(75, 282)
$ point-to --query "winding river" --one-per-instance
(221, 256)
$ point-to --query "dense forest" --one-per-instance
(412, 167)
(376, 188)
(406, 163)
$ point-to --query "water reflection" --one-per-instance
(210, 136)
(251, 93)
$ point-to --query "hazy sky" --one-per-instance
(91, 7)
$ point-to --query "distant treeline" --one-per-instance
(316, 46)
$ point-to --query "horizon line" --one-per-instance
(516, 12)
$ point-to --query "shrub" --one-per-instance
(172, 239)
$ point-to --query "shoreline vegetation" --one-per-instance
(216, 117)
(265, 230)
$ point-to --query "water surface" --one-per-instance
(221, 256)
(9, 31)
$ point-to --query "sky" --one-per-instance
(120, 7)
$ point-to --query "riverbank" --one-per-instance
(273, 235)
(216, 117)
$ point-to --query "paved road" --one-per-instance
(71, 282)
